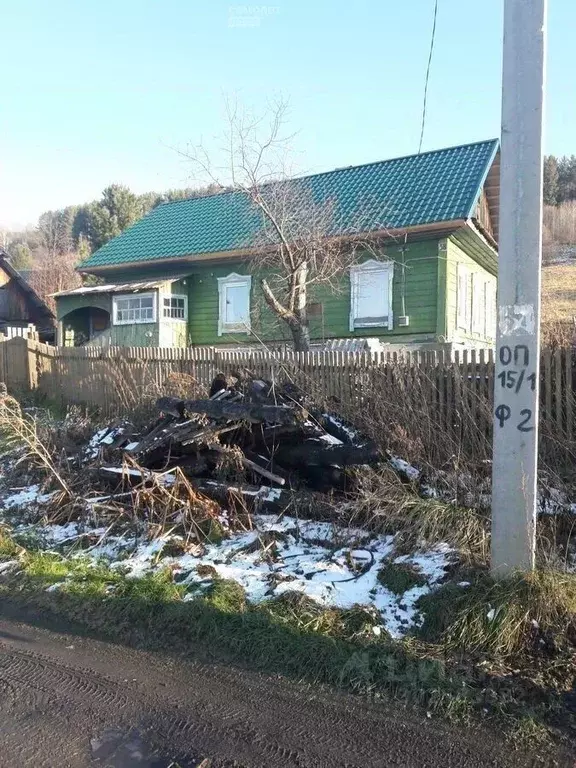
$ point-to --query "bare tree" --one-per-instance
(55, 231)
(301, 241)
(56, 274)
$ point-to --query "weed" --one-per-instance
(227, 596)
(8, 547)
(19, 430)
(385, 504)
(528, 733)
(508, 618)
(400, 577)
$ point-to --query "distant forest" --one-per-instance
(51, 250)
(559, 232)
(82, 229)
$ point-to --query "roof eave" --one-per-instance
(245, 253)
(474, 200)
(483, 232)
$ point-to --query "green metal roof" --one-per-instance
(437, 186)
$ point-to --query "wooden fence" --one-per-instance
(426, 391)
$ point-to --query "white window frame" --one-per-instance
(491, 288)
(478, 304)
(122, 296)
(464, 302)
(182, 296)
(386, 267)
(236, 280)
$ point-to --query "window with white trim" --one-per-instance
(234, 304)
(134, 308)
(174, 307)
(464, 299)
(371, 295)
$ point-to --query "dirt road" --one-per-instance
(66, 700)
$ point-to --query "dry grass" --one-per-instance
(528, 614)
(383, 503)
(21, 435)
(558, 303)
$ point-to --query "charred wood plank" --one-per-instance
(222, 409)
(165, 434)
(151, 436)
(340, 428)
(266, 500)
(209, 434)
(320, 454)
(219, 384)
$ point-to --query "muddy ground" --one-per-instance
(68, 700)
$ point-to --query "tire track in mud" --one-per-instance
(59, 692)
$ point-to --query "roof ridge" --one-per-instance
(338, 170)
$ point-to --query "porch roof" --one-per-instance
(144, 285)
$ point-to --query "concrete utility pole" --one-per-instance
(518, 339)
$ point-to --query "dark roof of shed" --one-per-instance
(24, 285)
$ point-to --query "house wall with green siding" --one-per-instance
(424, 289)
(456, 255)
(332, 307)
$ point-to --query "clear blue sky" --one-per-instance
(95, 92)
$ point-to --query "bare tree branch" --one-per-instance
(303, 242)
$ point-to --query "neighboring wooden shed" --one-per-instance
(20, 305)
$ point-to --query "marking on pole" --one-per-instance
(517, 320)
(513, 378)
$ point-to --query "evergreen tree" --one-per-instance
(20, 256)
(567, 178)
(112, 214)
(550, 180)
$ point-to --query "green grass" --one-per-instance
(505, 619)
(400, 577)
(8, 547)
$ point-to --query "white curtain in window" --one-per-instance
(463, 299)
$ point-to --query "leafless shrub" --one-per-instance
(57, 273)
(127, 386)
(168, 501)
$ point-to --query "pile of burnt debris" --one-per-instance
(263, 438)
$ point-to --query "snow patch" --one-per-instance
(404, 467)
(333, 565)
(105, 436)
(26, 497)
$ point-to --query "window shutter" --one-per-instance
(478, 303)
(462, 299)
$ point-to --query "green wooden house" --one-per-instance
(183, 275)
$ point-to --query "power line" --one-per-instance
(428, 76)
